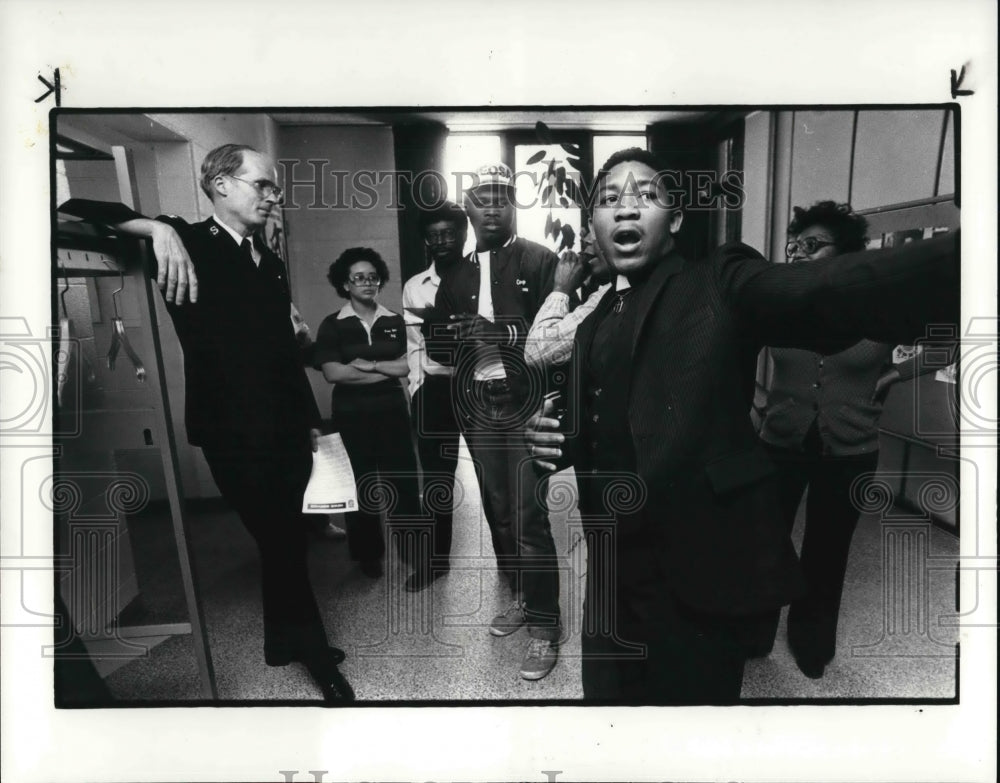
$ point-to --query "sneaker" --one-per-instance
(509, 621)
(539, 659)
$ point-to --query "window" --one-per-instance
(464, 152)
(535, 217)
(604, 146)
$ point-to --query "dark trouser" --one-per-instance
(436, 432)
(385, 470)
(641, 647)
(514, 501)
(831, 517)
(265, 486)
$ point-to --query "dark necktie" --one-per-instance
(247, 249)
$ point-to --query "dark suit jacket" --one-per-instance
(246, 386)
(712, 510)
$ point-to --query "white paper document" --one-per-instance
(331, 483)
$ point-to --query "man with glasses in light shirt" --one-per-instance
(249, 404)
(432, 410)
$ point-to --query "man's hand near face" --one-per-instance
(570, 273)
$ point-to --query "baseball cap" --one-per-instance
(491, 175)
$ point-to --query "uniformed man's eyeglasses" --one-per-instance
(265, 188)
(359, 278)
(433, 237)
(808, 246)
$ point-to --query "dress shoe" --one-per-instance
(812, 668)
(333, 655)
(422, 578)
(334, 686)
(371, 568)
(810, 657)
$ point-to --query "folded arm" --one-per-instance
(359, 372)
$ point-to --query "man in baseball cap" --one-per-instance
(491, 297)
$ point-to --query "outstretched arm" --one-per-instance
(175, 274)
(887, 296)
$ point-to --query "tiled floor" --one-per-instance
(435, 646)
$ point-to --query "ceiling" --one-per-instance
(100, 130)
(480, 119)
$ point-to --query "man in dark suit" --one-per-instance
(687, 553)
(249, 404)
(491, 297)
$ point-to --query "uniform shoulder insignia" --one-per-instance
(213, 230)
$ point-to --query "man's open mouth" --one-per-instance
(626, 240)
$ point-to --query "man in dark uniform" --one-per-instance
(687, 553)
(491, 297)
(249, 404)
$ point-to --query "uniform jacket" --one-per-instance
(246, 385)
(711, 500)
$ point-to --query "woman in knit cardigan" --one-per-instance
(820, 426)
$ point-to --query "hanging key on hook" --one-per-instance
(119, 337)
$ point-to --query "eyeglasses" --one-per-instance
(433, 237)
(808, 246)
(265, 188)
(358, 278)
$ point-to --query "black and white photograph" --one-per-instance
(470, 571)
(407, 430)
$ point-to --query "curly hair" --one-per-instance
(223, 160)
(339, 269)
(637, 154)
(850, 231)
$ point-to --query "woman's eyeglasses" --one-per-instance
(360, 278)
(808, 246)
